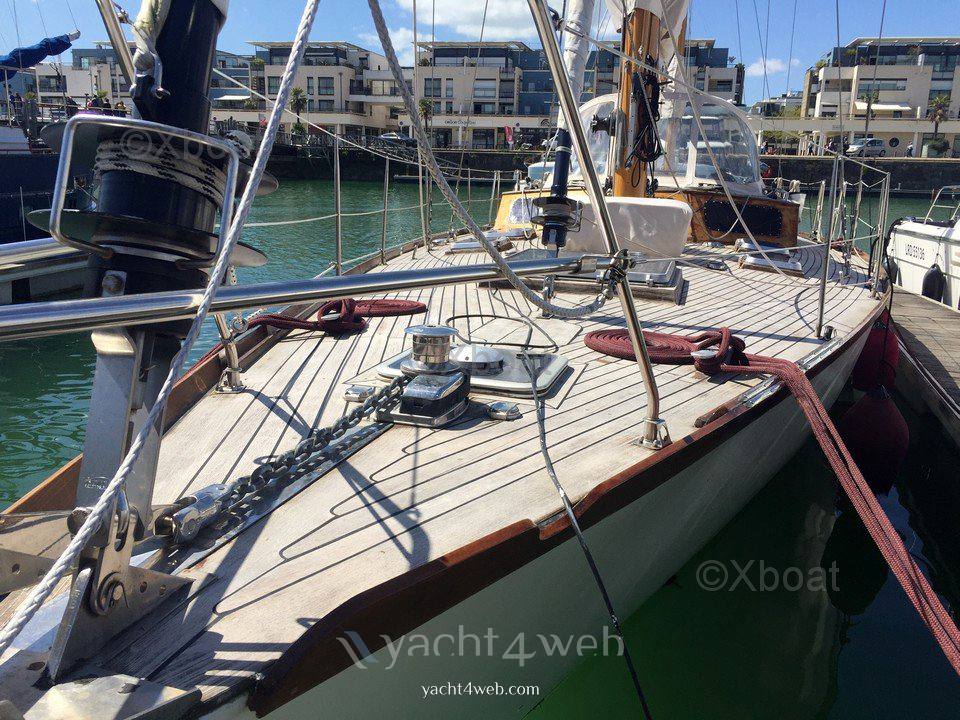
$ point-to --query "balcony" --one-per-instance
(376, 99)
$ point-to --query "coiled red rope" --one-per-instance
(351, 313)
(730, 358)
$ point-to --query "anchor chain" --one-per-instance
(217, 504)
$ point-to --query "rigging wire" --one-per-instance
(575, 525)
(783, 112)
(763, 58)
(541, 414)
(473, 89)
(73, 18)
(695, 111)
(502, 265)
(406, 159)
(64, 564)
(736, 8)
(866, 122)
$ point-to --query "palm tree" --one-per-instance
(298, 100)
(938, 110)
(425, 106)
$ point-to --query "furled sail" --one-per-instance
(672, 14)
(26, 57)
(576, 47)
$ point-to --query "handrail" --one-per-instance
(954, 208)
(66, 316)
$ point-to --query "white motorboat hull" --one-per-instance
(916, 247)
(638, 548)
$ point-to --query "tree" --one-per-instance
(938, 110)
(871, 98)
(425, 106)
(298, 101)
(249, 104)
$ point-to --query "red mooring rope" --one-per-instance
(676, 349)
(352, 318)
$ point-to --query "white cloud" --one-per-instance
(506, 19)
(774, 66)
(402, 39)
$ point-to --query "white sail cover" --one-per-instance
(576, 49)
(149, 23)
(672, 13)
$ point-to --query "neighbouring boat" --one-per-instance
(28, 170)
(345, 508)
(925, 252)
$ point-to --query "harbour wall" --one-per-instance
(314, 163)
(917, 177)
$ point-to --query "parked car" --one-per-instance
(397, 138)
(867, 147)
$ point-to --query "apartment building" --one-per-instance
(495, 94)
(343, 89)
(90, 71)
(785, 104)
(477, 95)
(898, 78)
(712, 69)
(224, 92)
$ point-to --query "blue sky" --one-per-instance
(814, 33)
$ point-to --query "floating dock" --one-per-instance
(929, 332)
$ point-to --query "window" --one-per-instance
(893, 85)
(483, 138)
(448, 91)
(449, 109)
(273, 84)
(52, 83)
(484, 109)
(432, 87)
(324, 86)
(325, 105)
(310, 86)
(721, 86)
(894, 142)
(485, 88)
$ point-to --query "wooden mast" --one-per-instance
(641, 37)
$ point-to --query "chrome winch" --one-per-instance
(438, 390)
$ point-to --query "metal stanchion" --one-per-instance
(655, 433)
(338, 228)
(495, 188)
(826, 250)
(386, 202)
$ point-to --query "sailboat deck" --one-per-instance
(413, 494)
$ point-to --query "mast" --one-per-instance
(557, 210)
(640, 38)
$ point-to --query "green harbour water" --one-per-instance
(846, 651)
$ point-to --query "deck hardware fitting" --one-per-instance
(358, 393)
(504, 411)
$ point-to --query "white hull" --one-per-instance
(39, 280)
(638, 548)
(917, 246)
